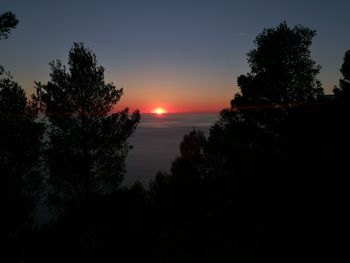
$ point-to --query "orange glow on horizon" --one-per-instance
(152, 108)
(175, 89)
(159, 111)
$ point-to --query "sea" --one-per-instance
(156, 142)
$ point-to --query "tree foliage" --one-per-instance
(20, 149)
(88, 142)
(282, 70)
(282, 74)
(343, 92)
(8, 21)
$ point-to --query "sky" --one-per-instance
(182, 55)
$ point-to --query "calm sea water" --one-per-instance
(157, 140)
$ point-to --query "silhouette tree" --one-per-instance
(343, 92)
(282, 70)
(257, 149)
(177, 202)
(186, 170)
(8, 21)
(88, 142)
(192, 145)
(20, 145)
(20, 149)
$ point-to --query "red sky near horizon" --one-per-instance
(173, 89)
(174, 102)
(171, 103)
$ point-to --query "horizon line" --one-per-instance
(180, 112)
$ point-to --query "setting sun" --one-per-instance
(159, 111)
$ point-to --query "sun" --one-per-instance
(159, 111)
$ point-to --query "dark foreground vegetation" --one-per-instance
(266, 185)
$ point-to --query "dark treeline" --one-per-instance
(266, 185)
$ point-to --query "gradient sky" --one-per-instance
(182, 55)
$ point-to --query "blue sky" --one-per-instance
(167, 52)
